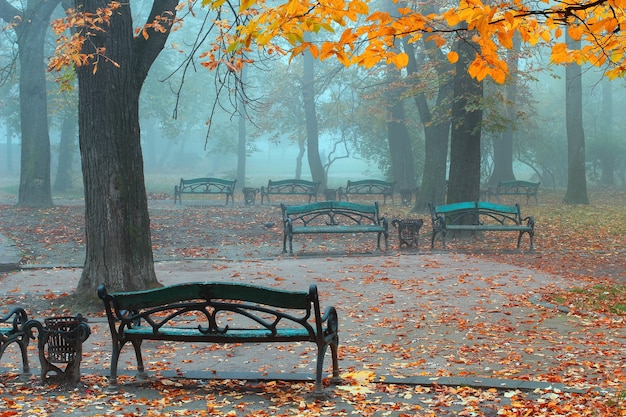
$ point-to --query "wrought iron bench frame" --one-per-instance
(290, 187)
(523, 188)
(480, 216)
(15, 333)
(205, 185)
(333, 217)
(368, 187)
(211, 312)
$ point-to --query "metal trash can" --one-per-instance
(408, 231)
(60, 341)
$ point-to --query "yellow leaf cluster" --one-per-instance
(355, 33)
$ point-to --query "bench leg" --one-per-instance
(141, 373)
(23, 344)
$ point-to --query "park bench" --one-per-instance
(367, 187)
(215, 312)
(12, 331)
(205, 186)
(333, 217)
(480, 216)
(523, 188)
(290, 187)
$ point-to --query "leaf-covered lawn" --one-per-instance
(586, 245)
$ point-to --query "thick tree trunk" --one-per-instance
(576, 192)
(119, 249)
(464, 178)
(310, 114)
(436, 123)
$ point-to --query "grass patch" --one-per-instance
(604, 299)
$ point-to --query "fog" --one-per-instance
(179, 142)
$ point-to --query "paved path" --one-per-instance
(408, 319)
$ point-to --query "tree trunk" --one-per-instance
(503, 146)
(119, 249)
(31, 25)
(67, 146)
(607, 143)
(310, 114)
(464, 178)
(301, 151)
(400, 149)
(576, 192)
(436, 124)
(241, 142)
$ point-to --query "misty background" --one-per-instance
(177, 104)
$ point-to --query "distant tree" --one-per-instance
(310, 115)
(576, 192)
(31, 24)
(503, 143)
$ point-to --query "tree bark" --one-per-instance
(35, 187)
(400, 148)
(503, 146)
(464, 178)
(436, 124)
(241, 140)
(119, 248)
(67, 146)
(310, 114)
(576, 192)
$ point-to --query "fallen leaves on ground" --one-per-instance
(585, 245)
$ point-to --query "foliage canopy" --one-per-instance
(360, 35)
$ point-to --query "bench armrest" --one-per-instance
(17, 315)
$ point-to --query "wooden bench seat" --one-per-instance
(217, 312)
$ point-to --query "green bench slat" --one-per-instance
(336, 229)
(194, 333)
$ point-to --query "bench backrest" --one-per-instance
(527, 186)
(207, 184)
(162, 306)
(476, 212)
(370, 187)
(293, 185)
(332, 213)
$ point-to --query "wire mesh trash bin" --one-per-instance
(408, 231)
(60, 341)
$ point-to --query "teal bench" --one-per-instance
(333, 217)
(367, 187)
(216, 312)
(290, 187)
(480, 216)
(521, 188)
(12, 331)
(205, 186)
